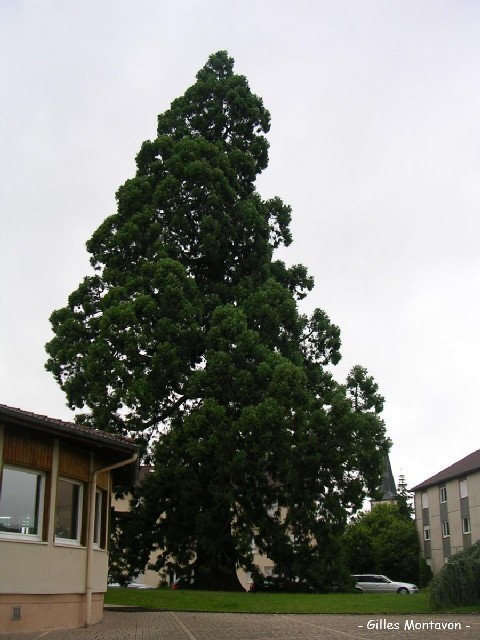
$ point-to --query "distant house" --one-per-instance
(55, 487)
(447, 510)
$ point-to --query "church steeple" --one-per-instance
(387, 489)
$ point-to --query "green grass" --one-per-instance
(217, 601)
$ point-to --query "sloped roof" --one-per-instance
(466, 465)
(70, 430)
(388, 488)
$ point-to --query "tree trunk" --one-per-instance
(215, 569)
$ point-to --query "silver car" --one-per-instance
(374, 583)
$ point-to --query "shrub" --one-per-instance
(458, 582)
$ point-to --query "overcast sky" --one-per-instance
(375, 143)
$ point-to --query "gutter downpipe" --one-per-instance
(91, 531)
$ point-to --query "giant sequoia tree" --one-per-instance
(188, 336)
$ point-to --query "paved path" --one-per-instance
(237, 626)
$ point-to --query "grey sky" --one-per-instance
(375, 143)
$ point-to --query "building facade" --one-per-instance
(447, 510)
(55, 487)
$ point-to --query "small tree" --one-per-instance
(404, 499)
(383, 541)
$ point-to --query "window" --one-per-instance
(68, 510)
(426, 532)
(445, 529)
(21, 502)
(424, 500)
(97, 527)
(463, 489)
(466, 524)
(443, 494)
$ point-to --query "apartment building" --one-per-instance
(447, 510)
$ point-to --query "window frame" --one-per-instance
(463, 488)
(98, 519)
(468, 529)
(445, 529)
(39, 504)
(424, 498)
(426, 532)
(79, 515)
(443, 494)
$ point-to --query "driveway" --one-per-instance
(167, 625)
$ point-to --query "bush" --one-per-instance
(458, 582)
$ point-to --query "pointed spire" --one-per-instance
(388, 488)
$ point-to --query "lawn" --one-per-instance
(178, 600)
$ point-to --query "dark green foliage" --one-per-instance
(131, 539)
(458, 582)
(405, 498)
(383, 541)
(189, 338)
(425, 574)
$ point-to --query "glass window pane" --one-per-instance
(67, 510)
(20, 500)
(98, 518)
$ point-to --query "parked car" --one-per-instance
(275, 584)
(376, 583)
(137, 585)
